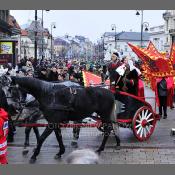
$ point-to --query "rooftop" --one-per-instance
(129, 36)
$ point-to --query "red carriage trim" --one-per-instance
(124, 120)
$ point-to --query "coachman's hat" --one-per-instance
(116, 53)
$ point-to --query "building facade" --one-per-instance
(169, 17)
(158, 37)
(107, 44)
(26, 40)
(78, 47)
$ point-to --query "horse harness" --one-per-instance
(69, 107)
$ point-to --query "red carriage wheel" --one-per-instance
(143, 123)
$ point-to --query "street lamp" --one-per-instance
(42, 23)
(143, 24)
(113, 26)
(52, 27)
(35, 59)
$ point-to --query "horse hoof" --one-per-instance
(57, 156)
(26, 144)
(98, 151)
(32, 161)
(74, 144)
(25, 152)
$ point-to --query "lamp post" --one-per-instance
(52, 27)
(35, 57)
(113, 26)
(42, 23)
(143, 24)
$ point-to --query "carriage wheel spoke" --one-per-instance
(147, 128)
(150, 120)
(138, 125)
(148, 116)
(140, 117)
(144, 132)
(141, 132)
(143, 114)
(139, 129)
(138, 121)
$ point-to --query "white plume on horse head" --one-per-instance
(3, 71)
(13, 72)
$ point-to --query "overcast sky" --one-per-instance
(90, 23)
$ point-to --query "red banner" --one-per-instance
(155, 63)
(92, 79)
(172, 55)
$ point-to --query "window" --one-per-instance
(126, 48)
(161, 47)
(118, 48)
(167, 25)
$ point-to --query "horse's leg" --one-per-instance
(36, 131)
(107, 131)
(27, 134)
(116, 133)
(76, 132)
(42, 138)
(60, 141)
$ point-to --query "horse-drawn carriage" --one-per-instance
(63, 102)
(132, 112)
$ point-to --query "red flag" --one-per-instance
(158, 65)
(92, 79)
(153, 49)
(172, 55)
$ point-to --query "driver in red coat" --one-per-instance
(111, 72)
(3, 136)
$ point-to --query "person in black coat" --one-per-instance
(162, 95)
(53, 76)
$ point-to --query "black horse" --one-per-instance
(60, 103)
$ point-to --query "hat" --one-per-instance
(116, 53)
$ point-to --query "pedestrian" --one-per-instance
(53, 75)
(3, 136)
(83, 156)
(162, 96)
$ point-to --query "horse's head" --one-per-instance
(27, 84)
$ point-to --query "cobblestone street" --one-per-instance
(160, 148)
